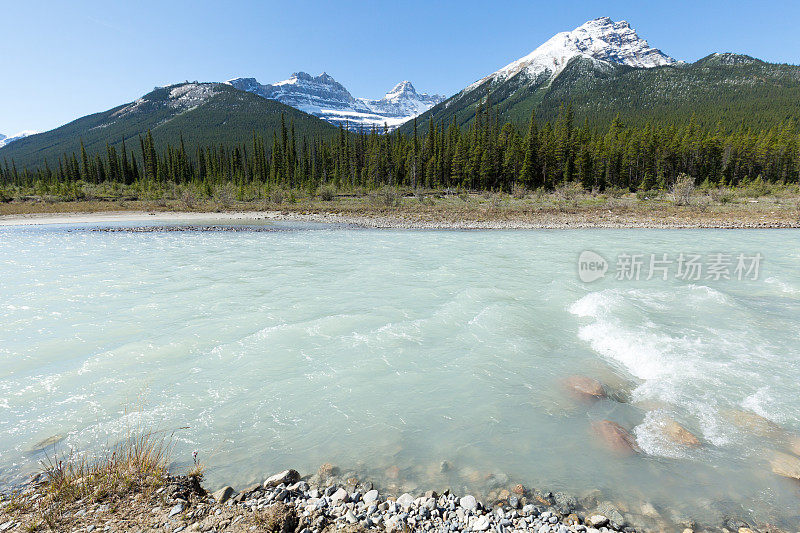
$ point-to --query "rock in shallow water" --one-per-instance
(585, 387)
(785, 465)
(616, 437)
(679, 434)
(286, 477)
(753, 423)
(44, 444)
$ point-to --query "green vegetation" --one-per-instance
(721, 91)
(484, 156)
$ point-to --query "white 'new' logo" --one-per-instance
(591, 266)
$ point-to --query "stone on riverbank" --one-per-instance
(597, 520)
(286, 477)
(469, 502)
(223, 494)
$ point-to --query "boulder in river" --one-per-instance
(793, 443)
(754, 423)
(616, 437)
(678, 434)
(585, 387)
(785, 465)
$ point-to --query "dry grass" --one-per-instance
(136, 466)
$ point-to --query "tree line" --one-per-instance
(485, 156)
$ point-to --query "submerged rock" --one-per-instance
(585, 387)
(793, 443)
(679, 434)
(44, 444)
(753, 423)
(616, 437)
(564, 503)
(327, 471)
(785, 465)
(393, 472)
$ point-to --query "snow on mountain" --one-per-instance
(601, 40)
(4, 140)
(180, 97)
(324, 97)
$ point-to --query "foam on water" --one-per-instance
(698, 365)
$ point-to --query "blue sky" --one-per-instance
(61, 60)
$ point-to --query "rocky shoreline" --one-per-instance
(328, 500)
(399, 219)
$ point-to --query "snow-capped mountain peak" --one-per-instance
(4, 140)
(401, 89)
(328, 99)
(403, 102)
(600, 40)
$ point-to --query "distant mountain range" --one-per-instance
(324, 97)
(601, 68)
(192, 113)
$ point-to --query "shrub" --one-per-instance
(387, 196)
(519, 191)
(277, 196)
(567, 195)
(682, 189)
(326, 193)
(757, 188)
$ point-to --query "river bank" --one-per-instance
(329, 500)
(420, 219)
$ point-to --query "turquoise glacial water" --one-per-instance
(375, 349)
